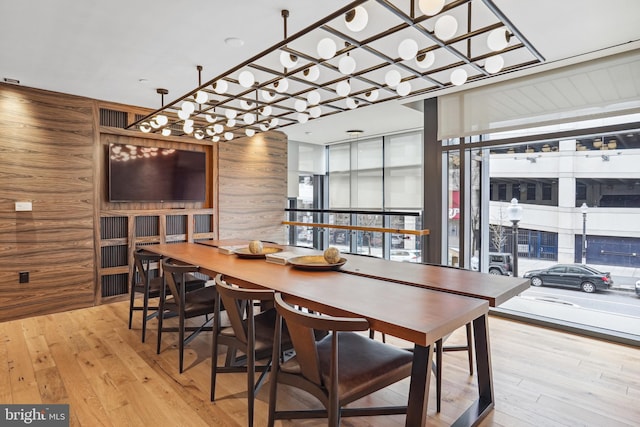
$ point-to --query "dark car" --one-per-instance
(500, 263)
(571, 275)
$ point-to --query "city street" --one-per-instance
(613, 301)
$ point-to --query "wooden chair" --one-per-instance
(150, 287)
(339, 369)
(183, 303)
(251, 332)
(142, 282)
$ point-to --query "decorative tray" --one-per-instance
(246, 253)
(315, 262)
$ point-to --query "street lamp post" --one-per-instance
(514, 214)
(584, 209)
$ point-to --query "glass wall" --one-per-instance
(377, 174)
(579, 237)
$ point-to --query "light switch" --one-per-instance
(24, 206)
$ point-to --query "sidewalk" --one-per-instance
(624, 278)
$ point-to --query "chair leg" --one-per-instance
(470, 347)
(181, 346)
(439, 351)
(160, 319)
(132, 299)
(145, 309)
(251, 391)
(372, 334)
(273, 377)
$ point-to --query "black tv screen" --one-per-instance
(150, 174)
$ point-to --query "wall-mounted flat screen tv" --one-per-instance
(150, 174)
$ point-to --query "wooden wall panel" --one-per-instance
(47, 158)
(252, 192)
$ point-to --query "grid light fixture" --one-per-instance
(368, 52)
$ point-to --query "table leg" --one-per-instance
(419, 386)
(481, 407)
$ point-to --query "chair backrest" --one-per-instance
(142, 265)
(175, 278)
(301, 325)
(238, 303)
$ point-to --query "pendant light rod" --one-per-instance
(162, 93)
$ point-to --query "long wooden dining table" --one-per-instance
(413, 313)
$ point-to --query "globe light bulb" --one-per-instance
(250, 132)
(458, 77)
(303, 117)
(351, 103)
(228, 136)
(327, 48)
(281, 85)
(313, 97)
(220, 86)
(346, 65)
(343, 88)
(407, 49)
(372, 95)
(494, 64)
(266, 110)
(188, 107)
(300, 105)
(315, 112)
(403, 88)
(202, 97)
(498, 39)
(249, 118)
(245, 105)
(392, 78)
(311, 74)
(430, 7)
(446, 27)
(425, 60)
(267, 95)
(288, 60)
(162, 119)
(356, 19)
(246, 78)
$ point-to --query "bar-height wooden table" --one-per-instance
(412, 313)
(493, 288)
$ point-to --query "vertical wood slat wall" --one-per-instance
(52, 153)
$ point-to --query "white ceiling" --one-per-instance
(102, 50)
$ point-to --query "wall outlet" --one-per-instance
(24, 277)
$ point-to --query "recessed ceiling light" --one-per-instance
(234, 41)
(143, 81)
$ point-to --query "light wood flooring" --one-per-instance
(90, 360)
